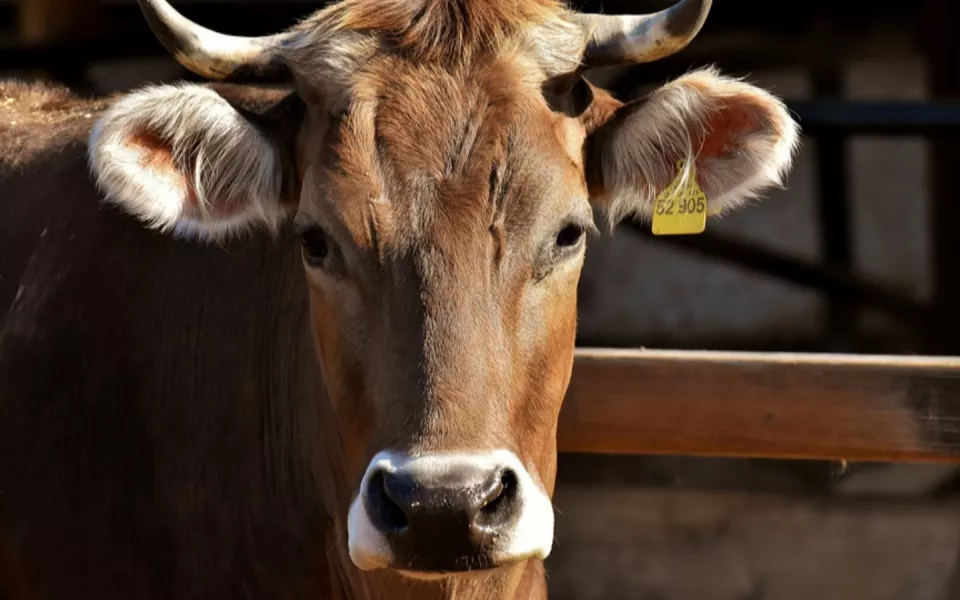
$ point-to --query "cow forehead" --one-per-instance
(438, 149)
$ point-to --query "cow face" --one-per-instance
(441, 168)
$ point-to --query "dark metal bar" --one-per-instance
(877, 118)
(943, 50)
(833, 204)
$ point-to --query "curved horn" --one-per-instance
(208, 53)
(614, 39)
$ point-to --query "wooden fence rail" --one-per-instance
(789, 406)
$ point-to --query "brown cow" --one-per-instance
(163, 432)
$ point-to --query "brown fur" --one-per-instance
(32, 103)
(32, 117)
(425, 140)
(412, 205)
(159, 435)
(186, 499)
(441, 217)
(446, 30)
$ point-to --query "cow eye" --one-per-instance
(570, 235)
(316, 246)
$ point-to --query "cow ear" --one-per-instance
(742, 141)
(183, 159)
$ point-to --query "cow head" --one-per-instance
(441, 161)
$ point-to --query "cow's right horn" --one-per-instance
(208, 53)
(625, 39)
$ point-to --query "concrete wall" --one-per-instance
(623, 544)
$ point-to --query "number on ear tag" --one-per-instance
(681, 208)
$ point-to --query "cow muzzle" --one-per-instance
(438, 515)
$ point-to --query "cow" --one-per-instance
(311, 339)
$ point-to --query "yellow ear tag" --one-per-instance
(681, 208)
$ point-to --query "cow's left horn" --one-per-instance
(616, 39)
(208, 53)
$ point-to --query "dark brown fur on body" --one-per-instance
(150, 447)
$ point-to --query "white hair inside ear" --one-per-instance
(741, 138)
(183, 160)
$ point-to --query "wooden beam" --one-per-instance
(787, 406)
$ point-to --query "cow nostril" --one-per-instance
(502, 494)
(387, 514)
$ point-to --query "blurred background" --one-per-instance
(858, 255)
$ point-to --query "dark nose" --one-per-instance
(445, 522)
